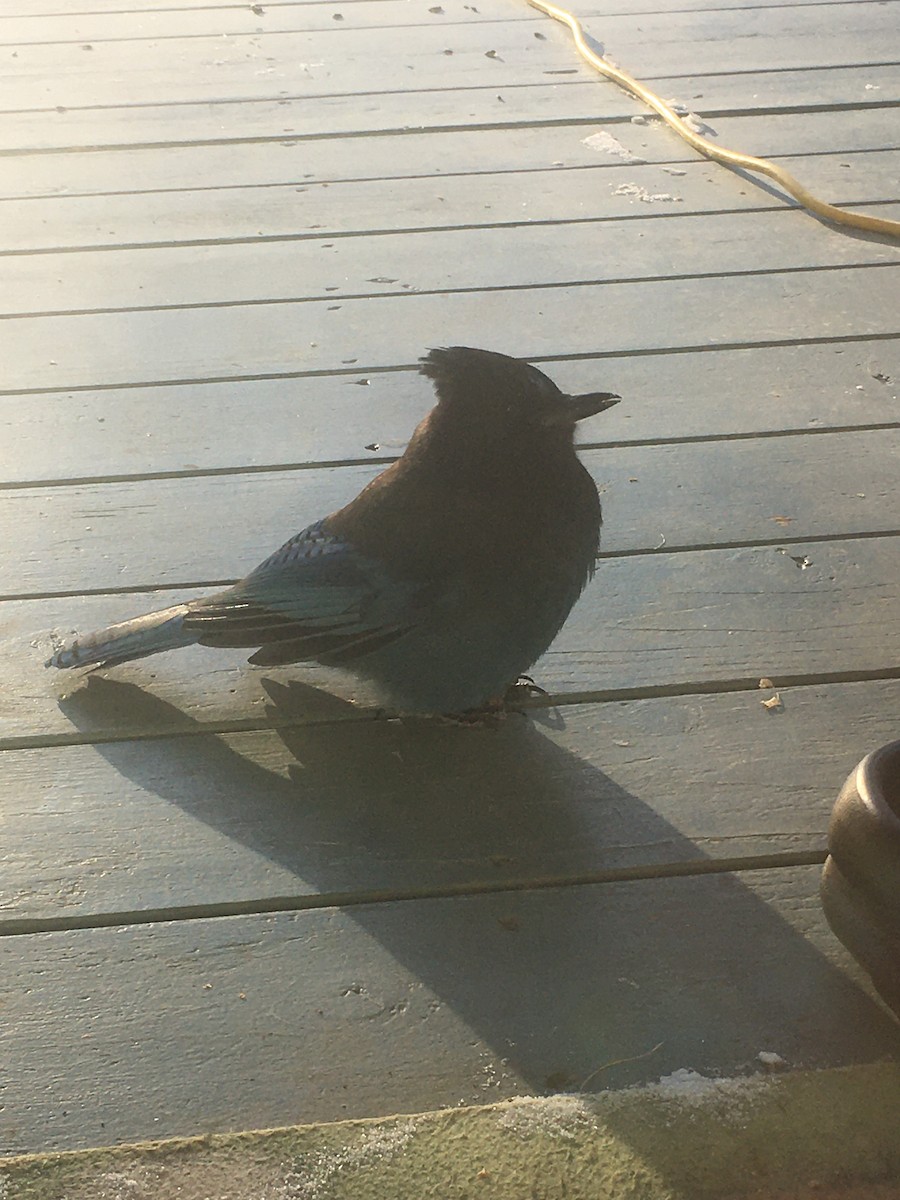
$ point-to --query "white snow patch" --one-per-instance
(641, 193)
(554, 1116)
(770, 1059)
(607, 144)
(698, 125)
(140, 1184)
(312, 1175)
(685, 1088)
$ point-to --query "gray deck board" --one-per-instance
(691, 622)
(208, 212)
(569, 98)
(258, 1021)
(169, 220)
(410, 155)
(283, 9)
(338, 60)
(346, 807)
(193, 428)
(353, 336)
(445, 261)
(135, 22)
(192, 217)
(104, 536)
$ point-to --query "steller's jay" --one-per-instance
(447, 576)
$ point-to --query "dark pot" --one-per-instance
(861, 879)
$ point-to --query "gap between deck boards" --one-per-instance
(67, 8)
(380, 461)
(319, 236)
(548, 701)
(185, 63)
(334, 180)
(418, 293)
(457, 127)
(421, 154)
(568, 356)
(638, 552)
(246, 25)
(26, 926)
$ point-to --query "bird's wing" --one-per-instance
(317, 593)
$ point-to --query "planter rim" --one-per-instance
(878, 782)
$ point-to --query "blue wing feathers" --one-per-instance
(316, 592)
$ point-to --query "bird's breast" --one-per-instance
(487, 524)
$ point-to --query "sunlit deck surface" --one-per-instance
(233, 899)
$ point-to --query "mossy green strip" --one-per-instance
(684, 1139)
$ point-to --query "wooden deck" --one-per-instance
(231, 899)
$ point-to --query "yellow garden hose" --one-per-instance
(840, 216)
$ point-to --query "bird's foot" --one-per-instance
(523, 689)
(495, 710)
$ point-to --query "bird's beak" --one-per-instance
(576, 408)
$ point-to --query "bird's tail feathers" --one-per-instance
(150, 634)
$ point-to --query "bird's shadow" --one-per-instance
(555, 980)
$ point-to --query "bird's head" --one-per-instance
(495, 396)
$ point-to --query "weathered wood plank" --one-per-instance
(53, 9)
(361, 808)
(569, 98)
(494, 54)
(317, 268)
(322, 210)
(105, 536)
(298, 162)
(56, 353)
(204, 427)
(128, 21)
(231, 20)
(266, 1021)
(692, 621)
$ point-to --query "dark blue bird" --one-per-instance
(446, 577)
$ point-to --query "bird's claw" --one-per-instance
(523, 687)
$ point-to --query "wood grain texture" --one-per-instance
(282, 8)
(451, 260)
(231, 20)
(127, 21)
(325, 420)
(162, 532)
(690, 622)
(188, 345)
(572, 97)
(320, 211)
(409, 155)
(250, 1022)
(348, 61)
(345, 807)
